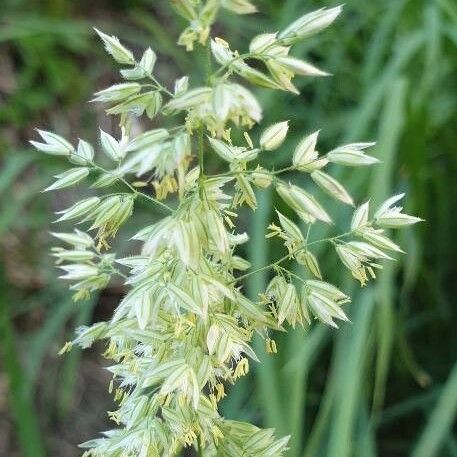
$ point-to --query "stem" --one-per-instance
(270, 172)
(229, 64)
(208, 64)
(331, 239)
(199, 448)
(288, 256)
(146, 196)
(115, 271)
(201, 177)
(135, 191)
(126, 183)
(265, 267)
(200, 152)
(201, 130)
(160, 86)
(246, 55)
(291, 273)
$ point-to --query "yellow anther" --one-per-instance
(220, 392)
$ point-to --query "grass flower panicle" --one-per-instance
(183, 331)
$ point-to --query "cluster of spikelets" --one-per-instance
(183, 330)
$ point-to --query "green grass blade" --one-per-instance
(348, 393)
(41, 341)
(381, 40)
(295, 373)
(408, 406)
(266, 371)
(451, 445)
(70, 365)
(12, 167)
(314, 441)
(365, 442)
(23, 409)
(391, 129)
(440, 420)
(373, 98)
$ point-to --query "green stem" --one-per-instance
(288, 256)
(201, 177)
(250, 172)
(126, 183)
(146, 196)
(230, 63)
(200, 153)
(136, 192)
(160, 86)
(208, 64)
(201, 131)
(247, 55)
(115, 271)
(270, 172)
(265, 267)
(291, 273)
(200, 448)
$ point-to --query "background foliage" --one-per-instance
(384, 385)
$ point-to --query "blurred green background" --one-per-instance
(383, 385)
